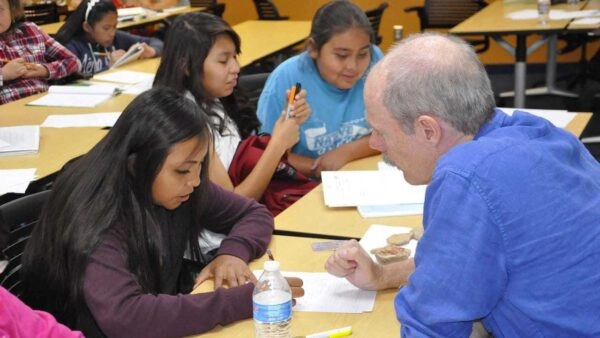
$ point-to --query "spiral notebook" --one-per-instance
(132, 54)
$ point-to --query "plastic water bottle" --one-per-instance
(543, 7)
(272, 304)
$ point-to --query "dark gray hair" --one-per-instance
(438, 75)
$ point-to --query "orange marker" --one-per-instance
(290, 102)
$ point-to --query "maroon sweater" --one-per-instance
(122, 309)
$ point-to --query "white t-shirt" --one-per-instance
(226, 142)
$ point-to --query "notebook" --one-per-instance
(19, 140)
(76, 96)
(132, 54)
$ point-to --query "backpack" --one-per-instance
(287, 184)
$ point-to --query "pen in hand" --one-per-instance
(292, 96)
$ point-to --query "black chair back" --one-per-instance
(252, 86)
(41, 13)
(267, 10)
(20, 216)
(445, 14)
(211, 6)
(374, 16)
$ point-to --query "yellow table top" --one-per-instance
(492, 20)
(261, 38)
(52, 28)
(295, 254)
(590, 4)
(309, 215)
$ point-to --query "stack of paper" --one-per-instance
(82, 120)
(376, 193)
(19, 140)
(15, 180)
(130, 81)
(76, 95)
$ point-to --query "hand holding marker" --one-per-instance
(291, 97)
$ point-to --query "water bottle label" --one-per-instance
(273, 312)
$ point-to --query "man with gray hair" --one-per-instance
(512, 209)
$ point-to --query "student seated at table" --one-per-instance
(512, 209)
(19, 320)
(339, 53)
(107, 255)
(200, 60)
(29, 58)
(91, 33)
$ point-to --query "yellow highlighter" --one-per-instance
(290, 100)
(335, 333)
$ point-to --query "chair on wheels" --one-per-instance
(19, 216)
(41, 13)
(445, 14)
(267, 10)
(575, 41)
(374, 16)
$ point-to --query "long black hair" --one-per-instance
(16, 13)
(73, 26)
(187, 44)
(336, 17)
(110, 189)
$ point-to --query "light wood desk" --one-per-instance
(52, 28)
(295, 254)
(256, 43)
(57, 145)
(492, 21)
(262, 38)
(309, 215)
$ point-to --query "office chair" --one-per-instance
(374, 16)
(217, 10)
(41, 13)
(575, 41)
(445, 14)
(267, 10)
(212, 6)
(19, 216)
(252, 86)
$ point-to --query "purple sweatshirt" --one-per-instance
(122, 309)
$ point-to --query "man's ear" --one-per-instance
(428, 129)
(311, 47)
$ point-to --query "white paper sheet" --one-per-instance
(124, 76)
(555, 14)
(15, 180)
(19, 140)
(81, 120)
(76, 96)
(369, 187)
(326, 293)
